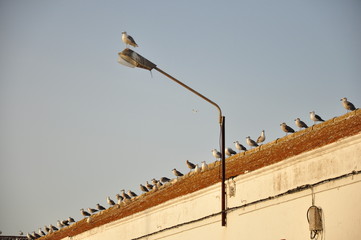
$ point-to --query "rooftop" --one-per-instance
(294, 144)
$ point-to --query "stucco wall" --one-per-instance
(261, 206)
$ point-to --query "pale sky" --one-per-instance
(76, 126)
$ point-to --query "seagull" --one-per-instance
(92, 210)
(239, 146)
(197, 169)
(70, 219)
(190, 165)
(300, 123)
(119, 198)
(177, 173)
(347, 105)
(132, 194)
(100, 207)
(36, 235)
(128, 40)
(148, 185)
(59, 224)
(216, 154)
(65, 222)
(315, 118)
(286, 129)
(47, 229)
(261, 138)
(29, 236)
(110, 202)
(229, 151)
(164, 179)
(143, 188)
(159, 184)
(204, 166)
(124, 195)
(251, 142)
(156, 182)
(84, 213)
(53, 228)
(41, 232)
(155, 188)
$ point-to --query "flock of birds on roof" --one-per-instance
(155, 184)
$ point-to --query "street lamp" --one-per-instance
(130, 58)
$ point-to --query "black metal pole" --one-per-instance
(135, 60)
(223, 193)
(193, 91)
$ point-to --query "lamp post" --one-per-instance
(130, 58)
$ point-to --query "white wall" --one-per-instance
(283, 217)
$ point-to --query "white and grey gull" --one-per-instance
(65, 222)
(59, 224)
(156, 182)
(262, 137)
(124, 195)
(251, 142)
(41, 232)
(84, 213)
(347, 105)
(92, 210)
(315, 118)
(100, 207)
(299, 123)
(148, 185)
(164, 179)
(53, 228)
(132, 194)
(110, 201)
(286, 128)
(216, 154)
(204, 166)
(143, 188)
(177, 173)
(128, 40)
(190, 165)
(229, 152)
(36, 235)
(47, 229)
(239, 146)
(197, 169)
(119, 198)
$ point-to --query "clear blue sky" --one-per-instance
(76, 126)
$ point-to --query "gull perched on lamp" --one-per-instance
(128, 40)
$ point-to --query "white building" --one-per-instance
(270, 190)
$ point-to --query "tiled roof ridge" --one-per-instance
(294, 144)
